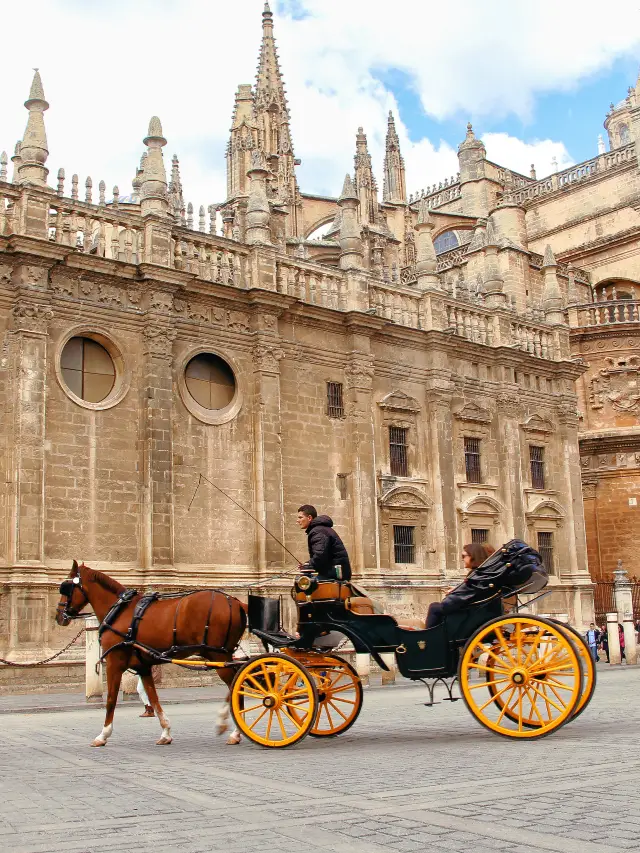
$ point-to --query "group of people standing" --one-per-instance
(598, 640)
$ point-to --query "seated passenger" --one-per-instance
(327, 554)
(473, 555)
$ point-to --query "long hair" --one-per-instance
(478, 553)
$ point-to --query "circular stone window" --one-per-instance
(210, 381)
(209, 388)
(87, 369)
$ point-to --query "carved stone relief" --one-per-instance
(618, 384)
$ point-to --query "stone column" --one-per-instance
(269, 508)
(576, 536)
(28, 353)
(359, 373)
(93, 679)
(624, 606)
(508, 409)
(426, 261)
(614, 638)
(158, 337)
(443, 475)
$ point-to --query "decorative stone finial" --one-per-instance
(3, 166)
(154, 132)
(549, 258)
(153, 180)
(33, 149)
(424, 217)
(348, 191)
(601, 146)
(532, 172)
(36, 93)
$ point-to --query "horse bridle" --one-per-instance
(67, 587)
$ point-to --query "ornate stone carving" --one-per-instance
(161, 301)
(63, 286)
(359, 373)
(31, 317)
(179, 305)
(267, 356)
(158, 341)
(509, 405)
(473, 413)
(134, 296)
(87, 287)
(238, 322)
(617, 384)
(5, 275)
(398, 401)
(536, 423)
(197, 311)
(108, 294)
(589, 489)
(218, 315)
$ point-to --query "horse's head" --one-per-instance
(73, 597)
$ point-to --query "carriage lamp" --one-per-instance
(306, 584)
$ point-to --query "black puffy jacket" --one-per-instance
(326, 549)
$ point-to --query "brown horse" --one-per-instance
(207, 622)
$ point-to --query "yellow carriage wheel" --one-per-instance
(274, 700)
(588, 677)
(520, 669)
(340, 696)
(588, 668)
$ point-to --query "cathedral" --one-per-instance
(455, 365)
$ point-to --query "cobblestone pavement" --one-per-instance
(404, 778)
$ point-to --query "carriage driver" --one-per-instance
(327, 554)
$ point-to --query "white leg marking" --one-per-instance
(166, 730)
(234, 738)
(104, 736)
(223, 717)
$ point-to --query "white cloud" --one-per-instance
(108, 67)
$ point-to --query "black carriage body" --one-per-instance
(331, 607)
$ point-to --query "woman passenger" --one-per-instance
(473, 555)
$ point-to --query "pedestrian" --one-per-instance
(142, 693)
(604, 641)
(592, 638)
(621, 636)
(327, 554)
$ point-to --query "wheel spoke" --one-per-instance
(487, 683)
(252, 708)
(504, 645)
(329, 716)
(506, 704)
(493, 698)
(342, 699)
(344, 716)
(257, 720)
(260, 687)
(282, 729)
(252, 694)
(269, 723)
(479, 666)
(549, 701)
(502, 663)
(520, 692)
(534, 707)
(534, 646)
(552, 681)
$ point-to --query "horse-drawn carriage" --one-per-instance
(520, 675)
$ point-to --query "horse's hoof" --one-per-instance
(98, 742)
(164, 741)
(221, 728)
(233, 739)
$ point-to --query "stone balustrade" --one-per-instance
(532, 338)
(473, 324)
(312, 283)
(209, 257)
(395, 304)
(8, 198)
(609, 313)
(437, 196)
(98, 230)
(580, 172)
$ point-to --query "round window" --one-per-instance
(87, 369)
(210, 381)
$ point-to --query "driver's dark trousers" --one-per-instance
(435, 614)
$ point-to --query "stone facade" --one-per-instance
(397, 386)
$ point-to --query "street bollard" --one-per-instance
(614, 638)
(92, 680)
(624, 604)
(390, 659)
(129, 685)
(363, 667)
(630, 646)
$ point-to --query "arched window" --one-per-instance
(321, 231)
(444, 242)
(623, 134)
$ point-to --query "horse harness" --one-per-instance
(130, 638)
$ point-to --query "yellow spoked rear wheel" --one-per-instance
(521, 676)
(339, 696)
(274, 700)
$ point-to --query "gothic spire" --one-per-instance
(365, 182)
(33, 148)
(153, 180)
(270, 98)
(176, 198)
(394, 186)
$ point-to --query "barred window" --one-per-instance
(545, 547)
(398, 451)
(479, 535)
(335, 402)
(404, 544)
(472, 460)
(536, 459)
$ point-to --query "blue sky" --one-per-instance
(536, 84)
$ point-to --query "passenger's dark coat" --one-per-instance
(326, 549)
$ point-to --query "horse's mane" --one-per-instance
(104, 580)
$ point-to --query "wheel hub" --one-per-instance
(519, 677)
(270, 701)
